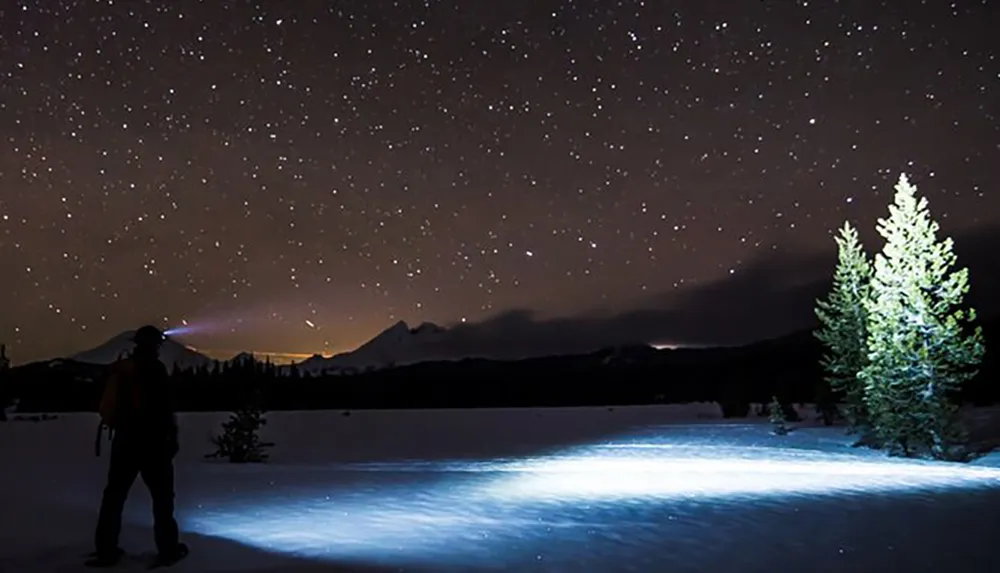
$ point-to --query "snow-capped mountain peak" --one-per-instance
(393, 336)
(399, 344)
(398, 336)
(121, 345)
(242, 358)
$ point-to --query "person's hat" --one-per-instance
(148, 335)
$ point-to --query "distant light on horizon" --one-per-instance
(275, 357)
(206, 327)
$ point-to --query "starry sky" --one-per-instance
(294, 177)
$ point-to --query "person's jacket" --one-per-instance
(138, 403)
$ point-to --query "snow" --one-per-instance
(172, 352)
(659, 488)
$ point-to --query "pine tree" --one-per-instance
(239, 441)
(843, 320)
(921, 345)
(777, 417)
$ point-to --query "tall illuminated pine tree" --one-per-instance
(843, 318)
(921, 345)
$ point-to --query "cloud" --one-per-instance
(772, 296)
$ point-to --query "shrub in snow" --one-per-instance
(239, 442)
(777, 417)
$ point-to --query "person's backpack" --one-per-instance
(120, 392)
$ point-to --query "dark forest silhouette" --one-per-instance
(736, 377)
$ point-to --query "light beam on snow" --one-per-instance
(404, 525)
(458, 512)
(665, 471)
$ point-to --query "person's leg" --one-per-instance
(122, 471)
(158, 475)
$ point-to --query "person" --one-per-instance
(137, 406)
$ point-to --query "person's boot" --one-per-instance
(108, 558)
(170, 557)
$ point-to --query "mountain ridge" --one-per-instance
(396, 345)
(401, 345)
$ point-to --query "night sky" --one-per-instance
(296, 176)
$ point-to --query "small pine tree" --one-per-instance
(843, 318)
(239, 442)
(921, 346)
(777, 417)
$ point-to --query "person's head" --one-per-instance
(148, 340)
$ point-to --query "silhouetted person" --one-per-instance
(137, 406)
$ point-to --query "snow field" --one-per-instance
(595, 489)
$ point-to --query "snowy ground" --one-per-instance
(628, 489)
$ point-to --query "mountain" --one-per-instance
(171, 353)
(315, 364)
(243, 358)
(395, 346)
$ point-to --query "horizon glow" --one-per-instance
(223, 324)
